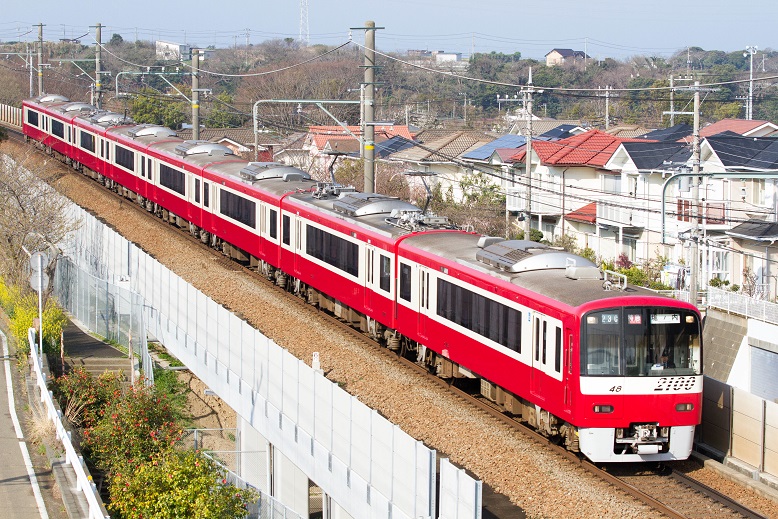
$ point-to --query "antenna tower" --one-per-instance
(304, 34)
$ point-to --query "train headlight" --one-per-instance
(603, 409)
(684, 407)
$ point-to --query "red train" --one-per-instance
(613, 370)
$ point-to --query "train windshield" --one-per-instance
(641, 342)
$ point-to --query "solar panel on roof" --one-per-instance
(485, 151)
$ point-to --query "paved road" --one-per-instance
(20, 496)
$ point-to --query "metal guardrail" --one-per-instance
(84, 481)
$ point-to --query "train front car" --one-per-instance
(640, 379)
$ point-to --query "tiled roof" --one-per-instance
(739, 126)
(541, 126)
(320, 135)
(592, 148)
(627, 131)
(445, 148)
(586, 214)
(241, 135)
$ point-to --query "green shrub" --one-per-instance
(176, 484)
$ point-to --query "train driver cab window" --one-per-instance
(405, 282)
(637, 342)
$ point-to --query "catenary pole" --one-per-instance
(369, 108)
(98, 66)
(40, 59)
(196, 94)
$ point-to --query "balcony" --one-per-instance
(543, 203)
(623, 211)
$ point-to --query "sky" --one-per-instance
(615, 29)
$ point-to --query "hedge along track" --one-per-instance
(658, 494)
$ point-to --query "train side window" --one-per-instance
(405, 282)
(386, 272)
(273, 224)
(537, 339)
(125, 158)
(149, 172)
(143, 167)
(87, 141)
(197, 190)
(32, 118)
(286, 231)
(558, 350)
(58, 129)
(545, 341)
(206, 194)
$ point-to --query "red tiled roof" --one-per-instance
(320, 135)
(586, 214)
(592, 148)
(741, 126)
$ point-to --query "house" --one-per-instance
(321, 141)
(568, 175)
(542, 126)
(439, 152)
(560, 56)
(744, 127)
(743, 188)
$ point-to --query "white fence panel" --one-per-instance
(306, 399)
(361, 457)
(341, 425)
(323, 427)
(291, 384)
(382, 471)
(368, 466)
(235, 346)
(460, 495)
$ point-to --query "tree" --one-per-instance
(222, 114)
(33, 216)
(116, 39)
(149, 107)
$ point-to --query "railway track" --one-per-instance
(666, 493)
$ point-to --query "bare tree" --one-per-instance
(33, 216)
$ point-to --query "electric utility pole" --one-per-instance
(527, 92)
(750, 51)
(695, 249)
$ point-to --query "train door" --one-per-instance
(371, 281)
(424, 301)
(567, 369)
(539, 353)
